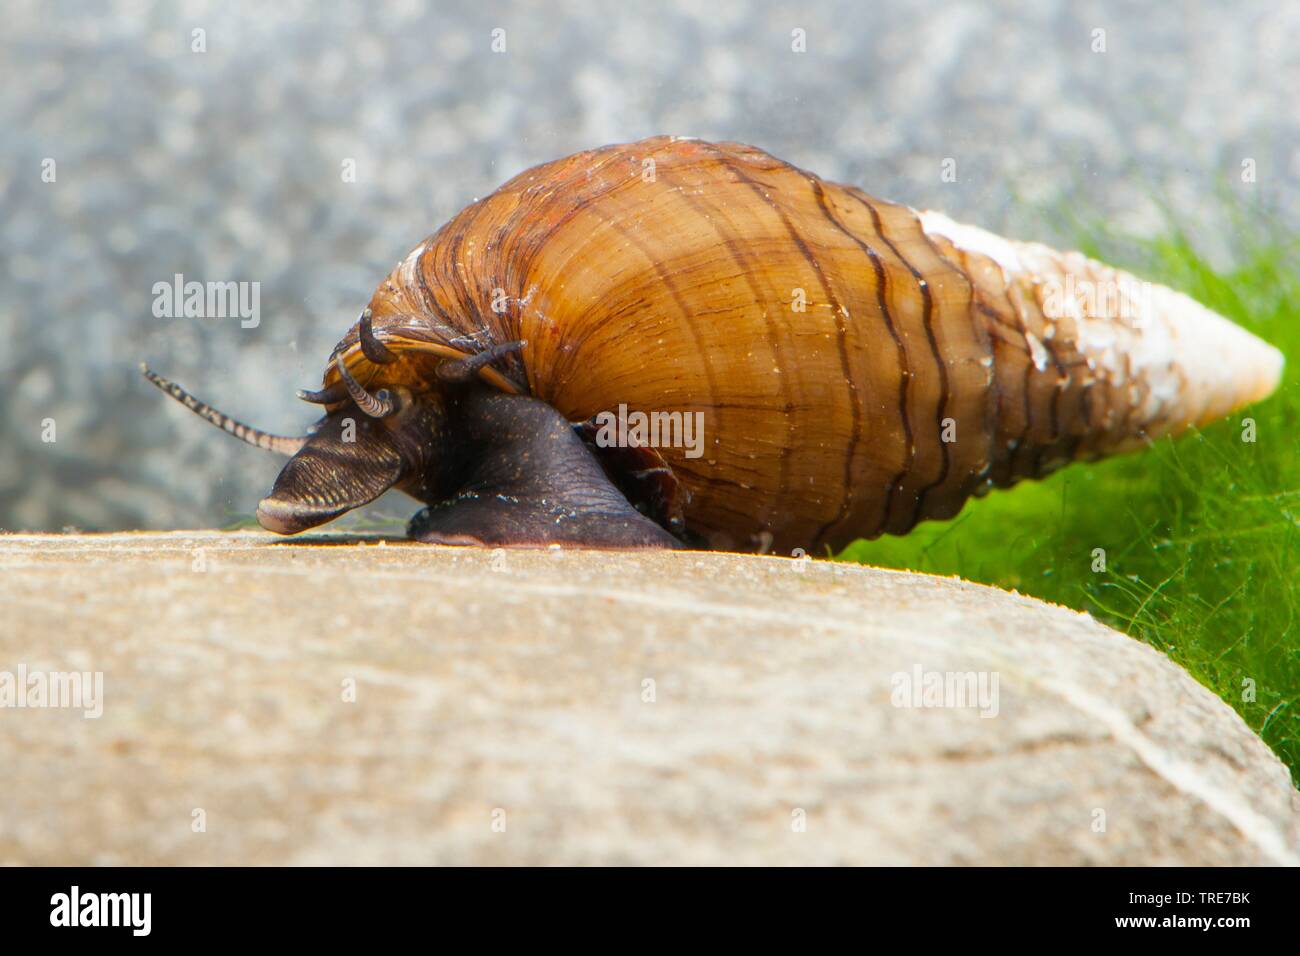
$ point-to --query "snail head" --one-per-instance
(365, 444)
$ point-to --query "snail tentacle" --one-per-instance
(463, 370)
(374, 350)
(378, 405)
(282, 444)
(325, 396)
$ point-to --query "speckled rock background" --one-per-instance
(226, 165)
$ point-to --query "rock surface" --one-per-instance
(503, 714)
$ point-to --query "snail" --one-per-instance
(851, 367)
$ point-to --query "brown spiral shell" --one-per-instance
(666, 275)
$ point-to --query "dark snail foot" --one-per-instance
(533, 483)
(497, 522)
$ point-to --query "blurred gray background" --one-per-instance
(226, 165)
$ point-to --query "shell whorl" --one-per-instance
(831, 340)
(1117, 361)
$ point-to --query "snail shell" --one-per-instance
(860, 366)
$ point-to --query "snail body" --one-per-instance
(854, 366)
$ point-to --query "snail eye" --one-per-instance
(397, 399)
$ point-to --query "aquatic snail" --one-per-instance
(855, 366)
